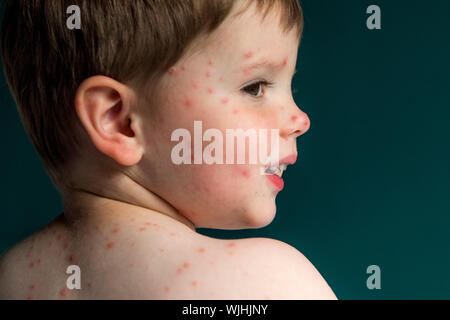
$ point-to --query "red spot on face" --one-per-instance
(32, 286)
(142, 229)
(284, 61)
(246, 173)
(194, 85)
(179, 270)
(210, 90)
(224, 101)
(172, 71)
(161, 250)
(132, 219)
(207, 74)
(110, 245)
(246, 71)
(188, 103)
(182, 68)
(148, 223)
(194, 283)
(173, 234)
(235, 111)
(248, 55)
(201, 250)
(231, 244)
(210, 63)
(71, 258)
(58, 237)
(116, 230)
(294, 118)
(63, 292)
(38, 261)
(31, 265)
(306, 123)
(185, 265)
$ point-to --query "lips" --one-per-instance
(275, 176)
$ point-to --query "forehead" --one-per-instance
(247, 35)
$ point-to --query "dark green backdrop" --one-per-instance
(372, 184)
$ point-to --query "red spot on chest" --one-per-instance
(71, 258)
(185, 265)
(116, 230)
(231, 244)
(142, 229)
(210, 90)
(188, 103)
(110, 245)
(235, 111)
(207, 74)
(32, 286)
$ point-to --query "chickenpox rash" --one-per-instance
(142, 229)
(161, 250)
(172, 234)
(110, 245)
(246, 173)
(63, 292)
(294, 118)
(188, 103)
(194, 85)
(194, 283)
(248, 55)
(166, 289)
(231, 244)
(71, 258)
(116, 230)
(207, 74)
(186, 265)
(284, 63)
(224, 101)
(210, 90)
(32, 286)
(235, 111)
(210, 63)
(201, 250)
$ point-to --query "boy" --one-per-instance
(101, 105)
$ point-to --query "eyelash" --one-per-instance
(260, 83)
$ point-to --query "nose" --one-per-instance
(296, 123)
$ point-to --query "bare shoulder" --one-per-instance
(258, 268)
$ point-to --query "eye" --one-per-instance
(256, 89)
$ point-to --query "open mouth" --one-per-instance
(276, 170)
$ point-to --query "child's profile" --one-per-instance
(100, 105)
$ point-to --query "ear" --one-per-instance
(105, 109)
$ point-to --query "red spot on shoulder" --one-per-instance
(179, 270)
(166, 289)
(231, 244)
(248, 55)
(116, 230)
(32, 286)
(201, 250)
(110, 245)
(148, 223)
(210, 90)
(207, 74)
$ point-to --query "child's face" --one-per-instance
(211, 85)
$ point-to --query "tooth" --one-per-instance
(283, 167)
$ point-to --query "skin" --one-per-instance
(132, 212)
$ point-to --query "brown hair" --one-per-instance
(45, 62)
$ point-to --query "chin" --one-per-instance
(261, 215)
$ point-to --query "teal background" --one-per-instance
(372, 184)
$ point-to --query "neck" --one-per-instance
(121, 194)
